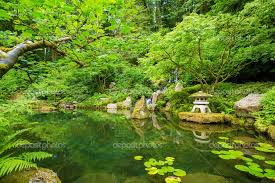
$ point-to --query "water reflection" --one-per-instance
(90, 154)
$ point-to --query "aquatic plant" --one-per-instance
(231, 154)
(264, 147)
(163, 168)
(250, 166)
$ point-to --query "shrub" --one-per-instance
(267, 115)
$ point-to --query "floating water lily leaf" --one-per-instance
(138, 158)
(153, 171)
(162, 171)
(169, 159)
(264, 147)
(246, 159)
(242, 168)
(231, 154)
(219, 152)
(270, 162)
(224, 138)
(252, 164)
(253, 170)
(225, 145)
(172, 179)
(258, 157)
(147, 164)
(168, 169)
(161, 163)
(179, 172)
(270, 174)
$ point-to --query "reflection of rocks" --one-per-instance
(137, 180)
(140, 111)
(155, 121)
(97, 178)
(203, 177)
(202, 117)
(40, 175)
(126, 113)
(112, 111)
(248, 105)
(206, 127)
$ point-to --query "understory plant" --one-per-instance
(267, 114)
(163, 168)
(256, 164)
(13, 157)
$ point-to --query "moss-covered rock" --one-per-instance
(41, 175)
(140, 111)
(260, 126)
(202, 117)
(271, 132)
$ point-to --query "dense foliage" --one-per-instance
(84, 51)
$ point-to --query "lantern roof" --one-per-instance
(201, 94)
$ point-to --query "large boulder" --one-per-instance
(140, 111)
(246, 106)
(40, 175)
(203, 118)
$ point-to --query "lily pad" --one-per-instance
(172, 179)
(138, 158)
(270, 162)
(179, 172)
(258, 157)
(225, 145)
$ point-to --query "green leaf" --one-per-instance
(138, 158)
(179, 173)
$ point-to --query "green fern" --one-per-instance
(35, 156)
(10, 161)
(12, 145)
(12, 164)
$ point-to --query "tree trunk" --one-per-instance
(10, 58)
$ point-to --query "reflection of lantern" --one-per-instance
(202, 138)
(201, 102)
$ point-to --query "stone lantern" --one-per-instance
(201, 102)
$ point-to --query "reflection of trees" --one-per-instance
(90, 137)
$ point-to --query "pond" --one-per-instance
(98, 147)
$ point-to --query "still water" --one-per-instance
(98, 147)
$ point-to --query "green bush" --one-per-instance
(267, 115)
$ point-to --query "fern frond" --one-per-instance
(15, 134)
(11, 145)
(34, 156)
(14, 164)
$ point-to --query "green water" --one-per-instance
(97, 147)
